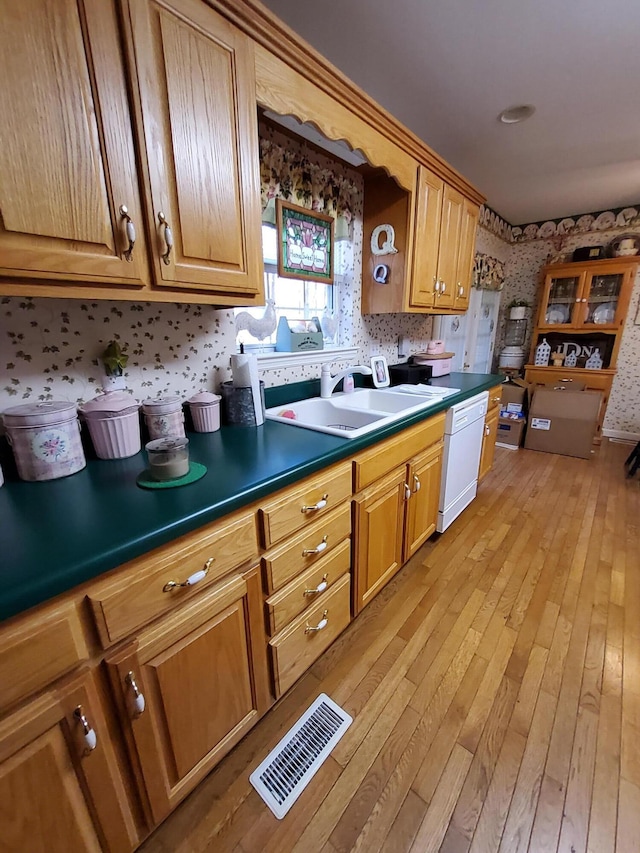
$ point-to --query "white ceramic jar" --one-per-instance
(45, 438)
(114, 424)
(205, 411)
(164, 416)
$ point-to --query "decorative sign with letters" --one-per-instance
(305, 243)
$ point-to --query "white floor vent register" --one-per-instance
(288, 769)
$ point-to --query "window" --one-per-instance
(294, 299)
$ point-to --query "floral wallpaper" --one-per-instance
(50, 348)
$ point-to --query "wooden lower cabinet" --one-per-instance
(378, 536)
(203, 675)
(421, 513)
(56, 794)
(490, 436)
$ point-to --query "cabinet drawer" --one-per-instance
(38, 648)
(294, 508)
(285, 561)
(383, 457)
(138, 594)
(296, 648)
(495, 398)
(291, 600)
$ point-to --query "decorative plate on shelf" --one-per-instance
(557, 314)
(605, 313)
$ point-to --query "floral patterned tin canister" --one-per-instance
(45, 438)
(164, 416)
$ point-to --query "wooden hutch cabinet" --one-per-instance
(583, 309)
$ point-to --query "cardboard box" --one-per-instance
(563, 422)
(510, 432)
(515, 396)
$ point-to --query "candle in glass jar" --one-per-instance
(168, 457)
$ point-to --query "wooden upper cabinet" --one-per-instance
(466, 252)
(443, 244)
(450, 231)
(430, 189)
(196, 82)
(67, 159)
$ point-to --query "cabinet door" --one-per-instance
(67, 161)
(197, 89)
(378, 531)
(466, 251)
(488, 443)
(56, 795)
(603, 302)
(424, 475)
(430, 189)
(202, 674)
(450, 231)
(561, 300)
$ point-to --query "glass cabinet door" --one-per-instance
(600, 299)
(562, 295)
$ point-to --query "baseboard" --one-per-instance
(621, 435)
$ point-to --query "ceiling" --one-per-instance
(447, 68)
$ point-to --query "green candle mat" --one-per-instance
(196, 472)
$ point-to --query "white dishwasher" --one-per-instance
(463, 431)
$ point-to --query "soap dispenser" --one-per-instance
(348, 384)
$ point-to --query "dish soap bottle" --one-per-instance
(348, 384)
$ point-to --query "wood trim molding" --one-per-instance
(275, 36)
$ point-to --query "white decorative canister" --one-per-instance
(164, 416)
(114, 424)
(45, 438)
(543, 353)
(205, 411)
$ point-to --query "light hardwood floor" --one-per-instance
(494, 685)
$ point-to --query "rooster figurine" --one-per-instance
(258, 327)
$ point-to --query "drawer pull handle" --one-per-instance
(308, 552)
(138, 697)
(90, 739)
(320, 505)
(496, 399)
(322, 624)
(417, 485)
(487, 429)
(460, 290)
(130, 230)
(168, 237)
(436, 286)
(443, 286)
(407, 492)
(320, 588)
(193, 579)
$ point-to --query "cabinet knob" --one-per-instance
(168, 237)
(322, 624)
(88, 734)
(320, 505)
(487, 429)
(130, 231)
(322, 546)
(138, 701)
(320, 588)
(193, 579)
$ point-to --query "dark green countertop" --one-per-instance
(60, 533)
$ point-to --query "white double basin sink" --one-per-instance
(359, 412)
